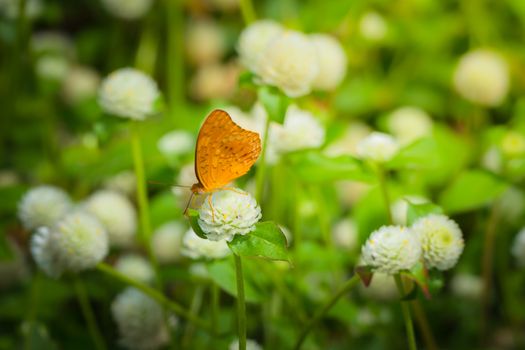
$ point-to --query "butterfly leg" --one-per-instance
(190, 202)
(210, 203)
(233, 189)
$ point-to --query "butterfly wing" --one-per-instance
(224, 151)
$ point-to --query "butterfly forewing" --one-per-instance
(224, 152)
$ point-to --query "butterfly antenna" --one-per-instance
(188, 205)
(167, 184)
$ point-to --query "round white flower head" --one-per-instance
(205, 42)
(118, 215)
(52, 67)
(351, 192)
(51, 42)
(408, 124)
(135, 267)
(128, 93)
(140, 320)
(347, 143)
(127, 9)
(518, 247)
(382, 287)
(80, 240)
(467, 286)
(197, 248)
(492, 159)
(45, 254)
(250, 345)
(80, 84)
(513, 144)
(300, 130)
(332, 62)
(43, 206)
(482, 77)
(289, 62)
(228, 213)
(253, 42)
(124, 182)
(214, 81)
(391, 249)
(167, 242)
(378, 147)
(345, 234)
(175, 143)
(441, 240)
(373, 27)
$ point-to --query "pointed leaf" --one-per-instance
(365, 274)
(419, 275)
(275, 103)
(266, 241)
(416, 211)
(193, 218)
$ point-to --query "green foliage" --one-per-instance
(266, 241)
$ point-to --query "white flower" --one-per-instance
(289, 62)
(518, 247)
(408, 124)
(175, 143)
(441, 240)
(492, 159)
(197, 248)
(214, 81)
(351, 192)
(45, 254)
(332, 62)
(80, 240)
(467, 286)
(128, 93)
(124, 182)
(52, 67)
(373, 27)
(253, 42)
(382, 287)
(52, 43)
(127, 9)
(482, 77)
(205, 42)
(135, 267)
(347, 143)
(117, 213)
(250, 345)
(232, 212)
(167, 241)
(391, 249)
(513, 144)
(80, 83)
(399, 208)
(43, 206)
(345, 234)
(140, 320)
(378, 147)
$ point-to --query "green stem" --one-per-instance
(381, 175)
(194, 309)
(241, 304)
(34, 299)
(146, 55)
(175, 54)
(248, 12)
(156, 295)
(407, 317)
(424, 327)
(88, 314)
(260, 176)
(344, 289)
(215, 306)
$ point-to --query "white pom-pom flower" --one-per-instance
(408, 124)
(229, 213)
(518, 247)
(167, 242)
(250, 345)
(117, 213)
(347, 143)
(43, 206)
(52, 67)
(482, 77)
(214, 81)
(467, 286)
(391, 249)
(127, 9)
(290, 63)
(441, 240)
(378, 147)
(253, 42)
(124, 182)
(345, 235)
(332, 62)
(80, 83)
(140, 320)
(199, 248)
(373, 27)
(176, 143)
(45, 254)
(128, 93)
(205, 42)
(300, 130)
(135, 267)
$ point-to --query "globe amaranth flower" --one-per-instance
(482, 77)
(176, 143)
(117, 213)
(228, 213)
(124, 182)
(214, 81)
(205, 42)
(332, 62)
(45, 253)
(127, 9)
(167, 242)
(128, 93)
(250, 345)
(140, 321)
(43, 206)
(345, 235)
(135, 267)
(441, 240)
(347, 143)
(52, 67)
(290, 63)
(391, 249)
(466, 285)
(300, 130)
(408, 124)
(378, 147)
(253, 42)
(80, 84)
(373, 27)
(518, 247)
(199, 248)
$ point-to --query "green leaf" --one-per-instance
(275, 103)
(419, 275)
(471, 190)
(193, 218)
(314, 167)
(416, 211)
(417, 155)
(267, 241)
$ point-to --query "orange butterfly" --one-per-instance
(224, 152)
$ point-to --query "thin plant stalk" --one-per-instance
(215, 306)
(381, 175)
(89, 316)
(196, 304)
(248, 12)
(344, 289)
(241, 303)
(34, 299)
(260, 176)
(175, 56)
(407, 317)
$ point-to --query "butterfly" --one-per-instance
(224, 152)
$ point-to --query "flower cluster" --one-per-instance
(378, 147)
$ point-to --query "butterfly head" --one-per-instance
(198, 188)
